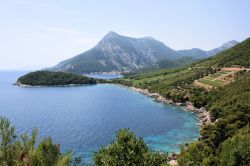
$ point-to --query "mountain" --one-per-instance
(116, 52)
(194, 52)
(121, 53)
(197, 53)
(224, 47)
(239, 55)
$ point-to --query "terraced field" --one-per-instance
(218, 79)
(213, 83)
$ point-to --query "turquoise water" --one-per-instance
(85, 118)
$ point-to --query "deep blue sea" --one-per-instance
(83, 119)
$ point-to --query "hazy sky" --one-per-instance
(40, 33)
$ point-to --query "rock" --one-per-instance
(154, 95)
(172, 156)
(202, 114)
(173, 162)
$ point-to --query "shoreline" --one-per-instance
(46, 86)
(202, 113)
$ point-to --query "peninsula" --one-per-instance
(49, 78)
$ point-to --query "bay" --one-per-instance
(83, 119)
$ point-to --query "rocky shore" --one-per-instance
(202, 114)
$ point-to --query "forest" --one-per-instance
(49, 78)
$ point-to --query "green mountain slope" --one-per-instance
(230, 110)
(153, 80)
(238, 55)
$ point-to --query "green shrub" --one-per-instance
(236, 150)
(21, 151)
(127, 150)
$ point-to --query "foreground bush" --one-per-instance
(21, 151)
(236, 150)
(127, 150)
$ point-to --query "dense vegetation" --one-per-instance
(49, 78)
(230, 109)
(225, 141)
(22, 150)
(238, 55)
(128, 150)
(185, 60)
(174, 84)
(235, 151)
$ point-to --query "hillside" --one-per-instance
(224, 47)
(154, 80)
(121, 53)
(48, 78)
(229, 108)
(227, 103)
(239, 55)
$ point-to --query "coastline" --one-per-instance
(202, 113)
(44, 86)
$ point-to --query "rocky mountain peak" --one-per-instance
(110, 35)
(230, 44)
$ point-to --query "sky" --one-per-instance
(40, 33)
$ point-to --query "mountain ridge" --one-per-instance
(122, 53)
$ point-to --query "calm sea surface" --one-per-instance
(104, 76)
(83, 119)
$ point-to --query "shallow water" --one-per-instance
(85, 118)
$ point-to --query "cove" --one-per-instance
(83, 119)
